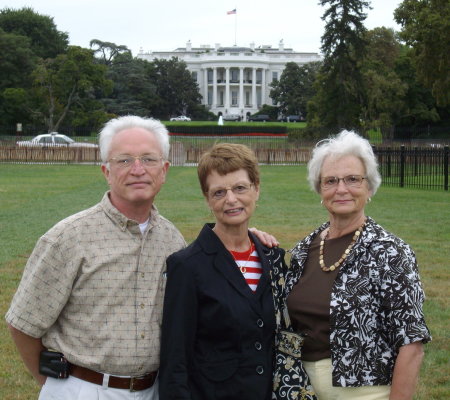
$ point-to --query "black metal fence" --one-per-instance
(404, 166)
(415, 167)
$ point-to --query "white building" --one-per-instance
(234, 80)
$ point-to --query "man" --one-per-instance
(93, 287)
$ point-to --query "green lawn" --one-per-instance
(34, 197)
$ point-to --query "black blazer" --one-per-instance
(217, 334)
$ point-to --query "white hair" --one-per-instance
(346, 143)
(119, 124)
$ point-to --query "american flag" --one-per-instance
(231, 12)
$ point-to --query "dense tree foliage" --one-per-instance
(295, 88)
(340, 90)
(134, 90)
(368, 79)
(384, 88)
(45, 39)
(176, 88)
(426, 28)
(64, 82)
(16, 60)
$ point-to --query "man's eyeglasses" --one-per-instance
(126, 161)
(328, 182)
(239, 189)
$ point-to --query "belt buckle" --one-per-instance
(132, 381)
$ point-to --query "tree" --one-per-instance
(108, 50)
(134, 90)
(419, 105)
(426, 28)
(339, 84)
(45, 39)
(295, 88)
(384, 88)
(16, 60)
(66, 81)
(175, 86)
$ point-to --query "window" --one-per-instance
(210, 96)
(274, 76)
(247, 99)
(234, 75)
(194, 75)
(234, 98)
(258, 76)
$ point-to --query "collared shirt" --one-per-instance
(376, 305)
(93, 289)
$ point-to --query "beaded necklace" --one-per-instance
(338, 263)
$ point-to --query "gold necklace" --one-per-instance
(338, 263)
(243, 268)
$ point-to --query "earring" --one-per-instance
(321, 202)
(369, 199)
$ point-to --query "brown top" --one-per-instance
(309, 301)
(93, 289)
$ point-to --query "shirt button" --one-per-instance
(258, 346)
(142, 305)
(260, 323)
(259, 370)
(142, 335)
(142, 274)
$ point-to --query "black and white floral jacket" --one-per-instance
(376, 305)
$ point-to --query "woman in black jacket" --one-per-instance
(218, 320)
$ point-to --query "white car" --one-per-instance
(180, 118)
(54, 139)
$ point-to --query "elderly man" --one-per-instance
(92, 289)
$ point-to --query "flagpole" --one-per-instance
(235, 26)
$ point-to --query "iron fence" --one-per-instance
(415, 167)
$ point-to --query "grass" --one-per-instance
(34, 197)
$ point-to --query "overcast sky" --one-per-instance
(166, 25)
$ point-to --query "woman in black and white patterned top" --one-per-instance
(353, 289)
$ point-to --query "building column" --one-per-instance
(214, 101)
(205, 86)
(254, 103)
(227, 89)
(241, 88)
(263, 86)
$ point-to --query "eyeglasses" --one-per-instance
(328, 182)
(125, 161)
(238, 189)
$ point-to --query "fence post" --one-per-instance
(446, 167)
(402, 165)
(416, 161)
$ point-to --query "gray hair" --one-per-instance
(346, 143)
(119, 124)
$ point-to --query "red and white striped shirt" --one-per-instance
(250, 265)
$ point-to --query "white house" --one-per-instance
(234, 80)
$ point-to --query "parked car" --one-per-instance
(259, 118)
(291, 118)
(232, 117)
(180, 118)
(54, 139)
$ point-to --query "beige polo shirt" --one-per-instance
(93, 289)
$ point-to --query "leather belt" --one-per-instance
(133, 384)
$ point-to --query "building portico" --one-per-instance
(234, 80)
